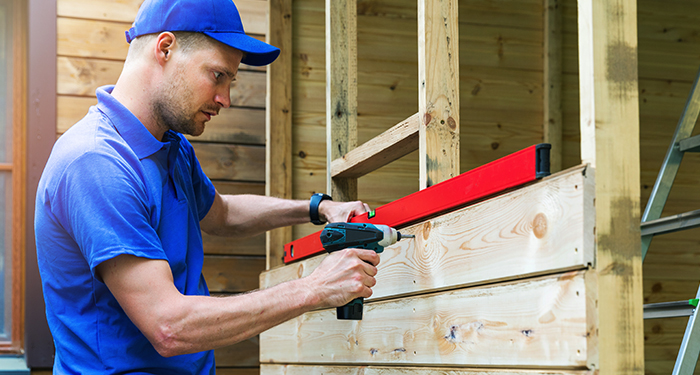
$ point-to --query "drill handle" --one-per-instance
(351, 311)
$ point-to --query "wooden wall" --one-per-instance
(501, 73)
(91, 51)
(507, 284)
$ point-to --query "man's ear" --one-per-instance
(165, 44)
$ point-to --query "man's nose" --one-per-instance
(223, 97)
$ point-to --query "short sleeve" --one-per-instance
(103, 204)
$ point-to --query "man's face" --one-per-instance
(196, 86)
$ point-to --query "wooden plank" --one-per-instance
(249, 89)
(553, 82)
(232, 125)
(225, 245)
(122, 11)
(534, 322)
(438, 90)
(82, 76)
(90, 38)
(341, 92)
(541, 228)
(239, 246)
(278, 123)
(610, 143)
(237, 371)
(231, 162)
(232, 274)
(253, 12)
(70, 109)
(242, 354)
(393, 144)
(274, 369)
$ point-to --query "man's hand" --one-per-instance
(343, 276)
(333, 212)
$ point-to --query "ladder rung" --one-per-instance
(669, 309)
(671, 224)
(691, 144)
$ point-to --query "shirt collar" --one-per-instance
(141, 141)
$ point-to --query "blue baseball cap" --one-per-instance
(218, 19)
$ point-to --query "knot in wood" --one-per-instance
(539, 225)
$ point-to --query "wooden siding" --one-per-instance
(91, 51)
(466, 292)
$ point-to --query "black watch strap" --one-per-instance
(316, 200)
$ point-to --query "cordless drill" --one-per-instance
(339, 236)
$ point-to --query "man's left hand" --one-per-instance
(333, 212)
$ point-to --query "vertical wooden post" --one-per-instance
(41, 131)
(278, 122)
(610, 144)
(552, 82)
(341, 92)
(438, 90)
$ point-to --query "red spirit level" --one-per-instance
(507, 172)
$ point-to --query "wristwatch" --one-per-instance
(316, 200)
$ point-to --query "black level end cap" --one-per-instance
(542, 151)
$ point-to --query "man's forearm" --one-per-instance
(204, 323)
(248, 215)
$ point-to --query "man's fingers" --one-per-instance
(369, 256)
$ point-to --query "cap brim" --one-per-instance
(257, 53)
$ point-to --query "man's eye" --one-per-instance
(218, 75)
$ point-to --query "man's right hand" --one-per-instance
(343, 276)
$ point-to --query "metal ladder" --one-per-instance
(652, 224)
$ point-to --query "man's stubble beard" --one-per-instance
(169, 107)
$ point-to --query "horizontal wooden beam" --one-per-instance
(271, 369)
(400, 140)
(542, 228)
(538, 322)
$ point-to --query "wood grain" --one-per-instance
(535, 322)
(278, 159)
(242, 354)
(541, 228)
(231, 162)
(610, 143)
(552, 83)
(379, 151)
(341, 92)
(272, 369)
(232, 274)
(438, 91)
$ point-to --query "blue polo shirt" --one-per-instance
(111, 188)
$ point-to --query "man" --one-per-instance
(122, 199)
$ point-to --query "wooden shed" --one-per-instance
(605, 82)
